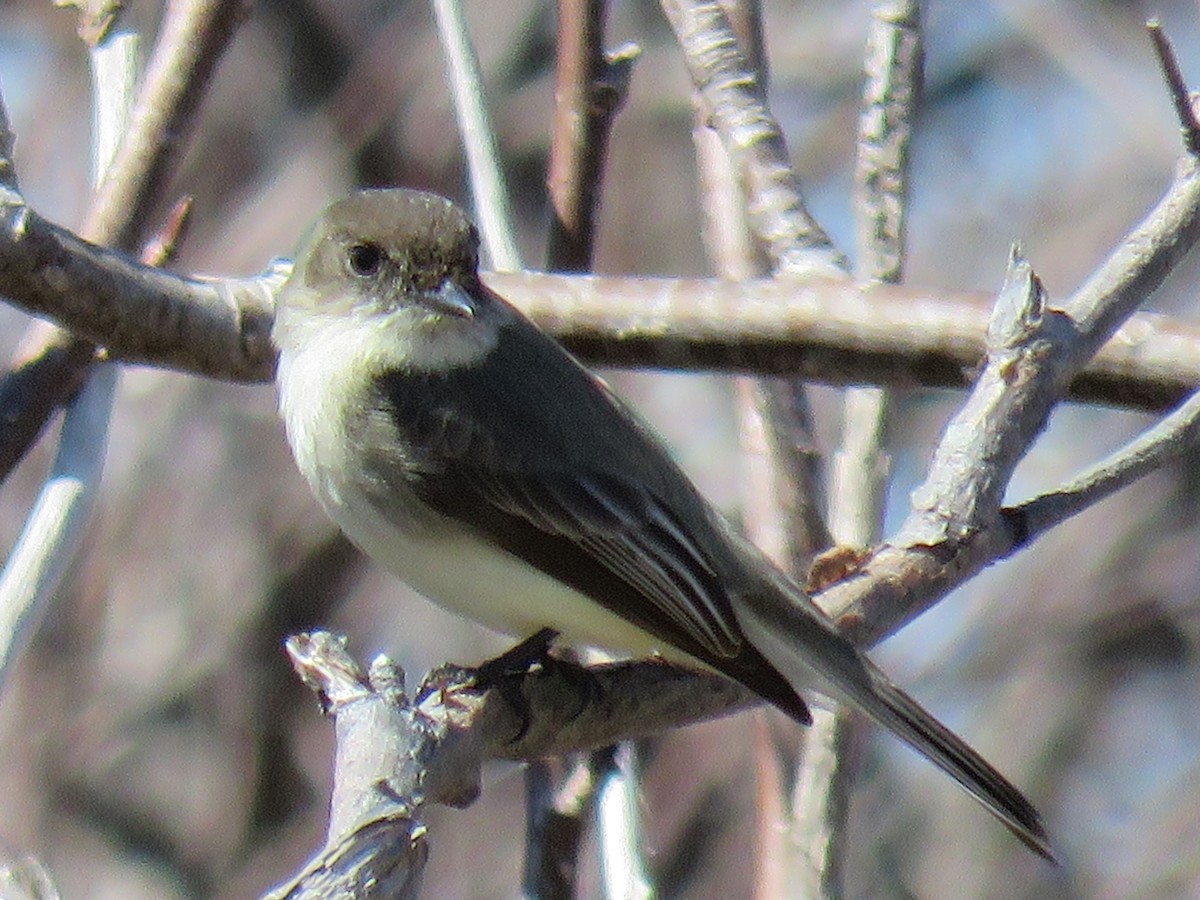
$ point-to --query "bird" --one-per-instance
(465, 451)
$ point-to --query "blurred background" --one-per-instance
(153, 742)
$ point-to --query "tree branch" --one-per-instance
(841, 333)
(736, 101)
(194, 34)
(956, 525)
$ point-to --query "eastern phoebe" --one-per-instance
(468, 453)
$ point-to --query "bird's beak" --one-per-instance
(452, 300)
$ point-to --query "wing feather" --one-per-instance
(629, 533)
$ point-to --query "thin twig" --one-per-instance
(193, 38)
(96, 18)
(488, 186)
(736, 100)
(54, 527)
(555, 810)
(783, 479)
(161, 248)
(551, 843)
(549, 854)
(1181, 97)
(34, 389)
(859, 474)
(618, 811)
(589, 88)
(820, 804)
(1174, 438)
(894, 56)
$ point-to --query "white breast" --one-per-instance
(480, 581)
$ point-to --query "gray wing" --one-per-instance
(650, 569)
(537, 455)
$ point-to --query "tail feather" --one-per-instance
(805, 649)
(908, 720)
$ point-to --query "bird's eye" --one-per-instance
(366, 259)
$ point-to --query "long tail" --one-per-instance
(803, 646)
(912, 723)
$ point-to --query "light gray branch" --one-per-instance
(54, 528)
(383, 777)
(833, 331)
(894, 59)
(1174, 438)
(956, 525)
(735, 97)
(396, 754)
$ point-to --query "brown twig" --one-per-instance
(161, 248)
(590, 86)
(1181, 97)
(193, 38)
(555, 806)
(35, 388)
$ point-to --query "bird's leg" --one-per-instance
(533, 651)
